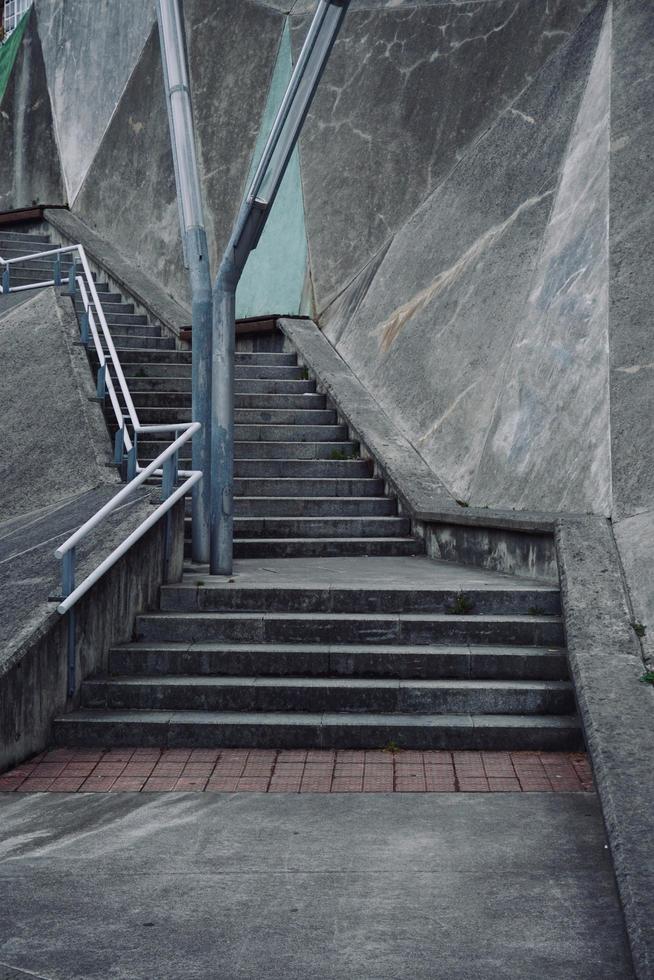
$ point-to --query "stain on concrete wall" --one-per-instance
(90, 51)
(29, 160)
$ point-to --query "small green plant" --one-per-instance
(304, 374)
(462, 605)
(648, 677)
(536, 611)
(463, 503)
(639, 629)
(200, 581)
(339, 454)
(392, 747)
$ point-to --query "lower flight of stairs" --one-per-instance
(226, 664)
(331, 663)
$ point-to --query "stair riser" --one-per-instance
(321, 527)
(489, 603)
(196, 629)
(343, 487)
(252, 402)
(110, 304)
(335, 548)
(123, 341)
(269, 450)
(242, 662)
(316, 507)
(403, 700)
(13, 239)
(177, 732)
(285, 426)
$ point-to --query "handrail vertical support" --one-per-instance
(68, 586)
(131, 459)
(84, 329)
(101, 383)
(119, 444)
(72, 279)
(56, 272)
(5, 280)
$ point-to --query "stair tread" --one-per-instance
(385, 683)
(345, 648)
(353, 718)
(355, 617)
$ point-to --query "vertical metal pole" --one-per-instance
(57, 271)
(222, 432)
(72, 280)
(84, 328)
(131, 460)
(101, 384)
(68, 586)
(119, 444)
(180, 119)
(5, 279)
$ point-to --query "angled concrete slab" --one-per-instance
(443, 887)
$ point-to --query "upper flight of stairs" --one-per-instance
(335, 630)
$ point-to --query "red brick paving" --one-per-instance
(297, 771)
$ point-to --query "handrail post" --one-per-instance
(5, 279)
(194, 239)
(84, 328)
(131, 459)
(56, 272)
(119, 444)
(101, 383)
(72, 279)
(68, 586)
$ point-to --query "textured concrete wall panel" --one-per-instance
(90, 50)
(29, 161)
(232, 51)
(52, 446)
(129, 194)
(632, 257)
(407, 89)
(431, 337)
(549, 444)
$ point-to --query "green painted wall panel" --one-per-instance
(8, 52)
(275, 275)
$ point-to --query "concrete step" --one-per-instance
(365, 486)
(265, 357)
(110, 303)
(139, 361)
(319, 730)
(324, 547)
(312, 507)
(252, 401)
(119, 319)
(321, 527)
(123, 341)
(373, 628)
(146, 330)
(342, 660)
(333, 694)
(338, 451)
(7, 238)
(268, 425)
(218, 595)
(304, 469)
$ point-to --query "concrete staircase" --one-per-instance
(296, 649)
(335, 630)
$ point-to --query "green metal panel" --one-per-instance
(274, 278)
(8, 52)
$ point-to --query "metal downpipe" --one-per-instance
(222, 428)
(201, 334)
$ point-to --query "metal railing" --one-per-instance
(14, 10)
(110, 383)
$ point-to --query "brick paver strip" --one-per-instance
(136, 770)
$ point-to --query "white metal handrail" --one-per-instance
(95, 328)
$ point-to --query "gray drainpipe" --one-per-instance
(194, 238)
